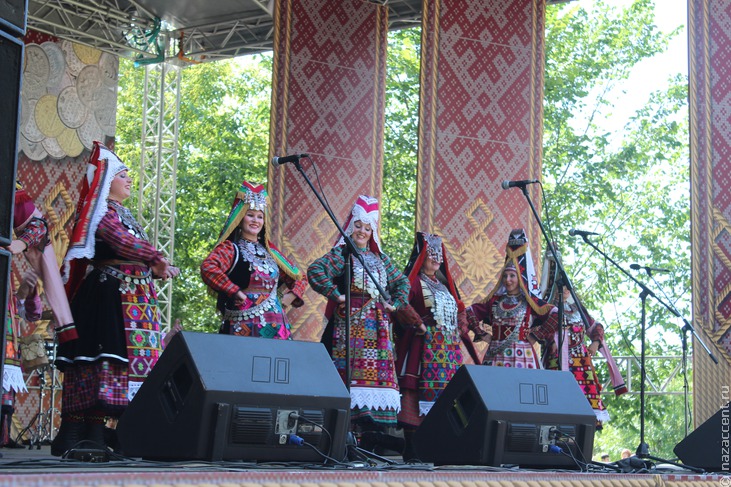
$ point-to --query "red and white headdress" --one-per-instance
(101, 170)
(365, 210)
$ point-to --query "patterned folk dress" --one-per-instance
(117, 320)
(578, 358)
(250, 267)
(374, 389)
(440, 355)
(512, 319)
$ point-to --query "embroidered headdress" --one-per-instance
(252, 196)
(365, 210)
(518, 258)
(101, 170)
(427, 245)
(548, 276)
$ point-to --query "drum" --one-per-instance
(33, 352)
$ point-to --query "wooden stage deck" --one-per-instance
(26, 468)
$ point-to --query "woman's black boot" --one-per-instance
(71, 432)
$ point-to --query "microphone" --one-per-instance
(581, 233)
(518, 184)
(278, 161)
(648, 269)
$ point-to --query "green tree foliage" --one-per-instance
(400, 145)
(631, 186)
(224, 139)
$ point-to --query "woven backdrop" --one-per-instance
(480, 123)
(710, 131)
(328, 100)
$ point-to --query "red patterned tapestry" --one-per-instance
(709, 45)
(480, 123)
(328, 100)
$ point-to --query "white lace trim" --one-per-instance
(602, 415)
(132, 389)
(375, 398)
(425, 407)
(87, 251)
(13, 379)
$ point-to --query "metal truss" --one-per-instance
(158, 167)
(116, 26)
(667, 384)
(254, 33)
(128, 29)
(223, 40)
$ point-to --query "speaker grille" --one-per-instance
(252, 426)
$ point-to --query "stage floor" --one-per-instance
(23, 467)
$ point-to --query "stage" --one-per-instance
(25, 468)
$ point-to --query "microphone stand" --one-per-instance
(348, 252)
(686, 403)
(643, 450)
(684, 341)
(562, 279)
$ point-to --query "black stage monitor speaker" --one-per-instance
(221, 397)
(707, 446)
(506, 416)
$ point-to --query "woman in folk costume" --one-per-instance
(515, 316)
(31, 238)
(254, 281)
(110, 265)
(575, 355)
(29, 234)
(374, 390)
(30, 231)
(429, 355)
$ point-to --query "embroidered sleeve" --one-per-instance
(407, 316)
(34, 232)
(296, 287)
(398, 283)
(596, 330)
(215, 267)
(544, 327)
(467, 320)
(123, 243)
(481, 312)
(322, 273)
